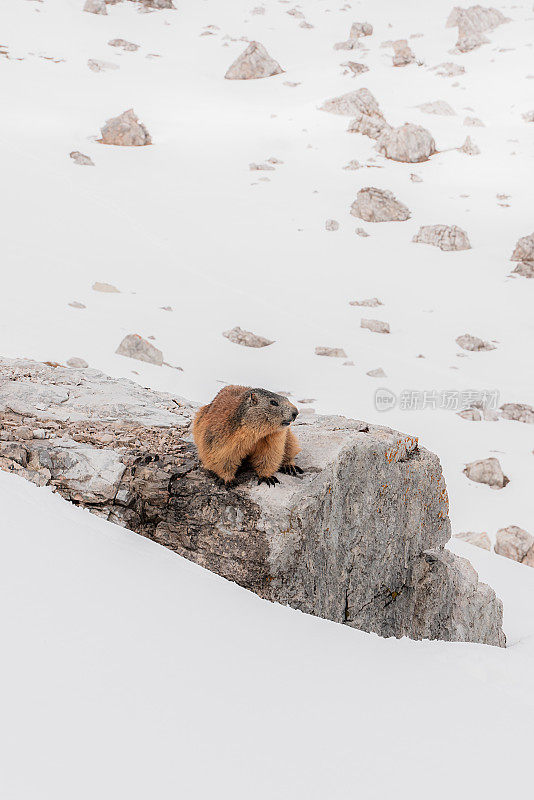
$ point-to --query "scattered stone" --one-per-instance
(77, 363)
(81, 159)
(254, 167)
(371, 302)
(368, 118)
(437, 107)
(124, 45)
(273, 160)
(415, 178)
(134, 346)
(478, 539)
(524, 254)
(349, 44)
(449, 69)
(471, 23)
(409, 143)
(378, 205)
(125, 131)
(355, 67)
(95, 7)
(353, 165)
(331, 225)
(255, 62)
(245, 338)
(528, 116)
(473, 343)
(403, 54)
(473, 122)
(166, 308)
(76, 304)
(469, 147)
(362, 232)
(306, 400)
(97, 65)
(515, 543)
(367, 521)
(359, 29)
(471, 414)
(375, 325)
(332, 352)
(377, 373)
(104, 287)
(446, 237)
(519, 412)
(488, 471)
(348, 364)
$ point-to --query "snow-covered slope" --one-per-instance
(128, 672)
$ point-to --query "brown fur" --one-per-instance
(241, 423)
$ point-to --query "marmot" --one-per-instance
(243, 423)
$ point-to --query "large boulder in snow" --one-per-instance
(358, 538)
(254, 62)
(524, 254)
(446, 237)
(125, 131)
(409, 143)
(472, 23)
(378, 205)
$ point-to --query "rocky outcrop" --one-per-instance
(378, 205)
(468, 342)
(488, 471)
(331, 352)
(125, 131)
(515, 543)
(134, 346)
(446, 237)
(246, 338)
(253, 63)
(409, 143)
(375, 325)
(478, 539)
(524, 254)
(472, 22)
(520, 412)
(81, 159)
(358, 539)
(440, 107)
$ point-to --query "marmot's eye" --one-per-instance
(274, 402)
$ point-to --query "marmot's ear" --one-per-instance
(253, 398)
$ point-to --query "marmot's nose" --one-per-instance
(295, 414)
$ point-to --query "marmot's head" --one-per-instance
(266, 410)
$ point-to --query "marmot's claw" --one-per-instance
(270, 481)
(291, 469)
(224, 484)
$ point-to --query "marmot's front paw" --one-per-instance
(291, 469)
(270, 481)
(225, 484)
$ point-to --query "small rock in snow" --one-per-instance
(515, 543)
(81, 159)
(378, 205)
(125, 131)
(488, 471)
(331, 225)
(375, 325)
(446, 237)
(473, 343)
(104, 287)
(246, 338)
(134, 346)
(77, 363)
(332, 352)
(478, 539)
(255, 62)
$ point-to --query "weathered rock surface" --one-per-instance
(363, 106)
(524, 254)
(472, 22)
(478, 539)
(95, 6)
(134, 346)
(515, 543)
(125, 131)
(520, 412)
(469, 147)
(81, 159)
(359, 539)
(468, 342)
(370, 302)
(331, 225)
(446, 237)
(378, 205)
(408, 143)
(402, 53)
(246, 338)
(488, 471)
(123, 44)
(375, 325)
(440, 107)
(332, 352)
(255, 62)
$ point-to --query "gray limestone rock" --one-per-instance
(473, 343)
(81, 159)
(246, 338)
(125, 131)
(524, 254)
(331, 352)
(255, 62)
(478, 539)
(378, 205)
(520, 412)
(408, 143)
(134, 346)
(446, 237)
(488, 471)
(357, 539)
(515, 543)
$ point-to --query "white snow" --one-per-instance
(129, 672)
